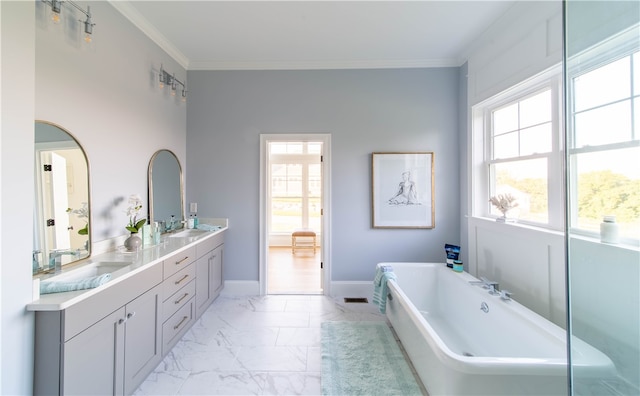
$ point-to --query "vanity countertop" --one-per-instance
(129, 264)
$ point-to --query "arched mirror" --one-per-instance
(165, 189)
(62, 228)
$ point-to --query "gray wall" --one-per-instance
(365, 111)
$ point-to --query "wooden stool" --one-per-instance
(295, 244)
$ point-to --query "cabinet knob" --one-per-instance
(121, 321)
(131, 315)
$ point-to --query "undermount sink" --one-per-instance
(188, 233)
(90, 270)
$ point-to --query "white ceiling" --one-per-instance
(250, 35)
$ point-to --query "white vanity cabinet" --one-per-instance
(208, 272)
(178, 291)
(106, 344)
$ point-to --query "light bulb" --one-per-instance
(55, 11)
(173, 85)
(87, 38)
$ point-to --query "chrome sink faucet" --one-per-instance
(55, 259)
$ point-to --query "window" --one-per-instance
(604, 145)
(522, 151)
(296, 185)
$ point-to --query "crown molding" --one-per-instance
(150, 31)
(324, 65)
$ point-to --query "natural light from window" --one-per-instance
(296, 186)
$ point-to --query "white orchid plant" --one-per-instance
(135, 206)
(504, 203)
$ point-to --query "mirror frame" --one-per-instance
(38, 197)
(150, 186)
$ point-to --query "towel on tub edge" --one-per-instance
(383, 274)
(61, 286)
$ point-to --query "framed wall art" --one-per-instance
(403, 190)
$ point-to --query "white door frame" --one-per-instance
(325, 243)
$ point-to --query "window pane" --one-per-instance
(609, 184)
(636, 115)
(535, 140)
(505, 119)
(536, 109)
(294, 148)
(609, 124)
(505, 146)
(636, 73)
(603, 85)
(277, 148)
(315, 148)
(286, 214)
(527, 181)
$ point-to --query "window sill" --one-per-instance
(526, 229)
(622, 245)
(491, 222)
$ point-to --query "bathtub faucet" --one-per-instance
(505, 295)
(492, 286)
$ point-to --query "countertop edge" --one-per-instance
(64, 300)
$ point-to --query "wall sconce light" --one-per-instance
(166, 78)
(56, 7)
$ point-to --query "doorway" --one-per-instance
(293, 214)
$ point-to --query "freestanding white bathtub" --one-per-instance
(459, 349)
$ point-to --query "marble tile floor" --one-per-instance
(266, 345)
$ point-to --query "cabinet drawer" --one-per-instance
(209, 244)
(176, 326)
(178, 299)
(177, 281)
(178, 261)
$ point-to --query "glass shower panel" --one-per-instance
(602, 44)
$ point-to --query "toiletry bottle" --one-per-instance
(609, 230)
(157, 230)
(195, 221)
(172, 223)
(458, 266)
(147, 238)
(190, 222)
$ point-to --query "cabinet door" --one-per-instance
(93, 359)
(203, 296)
(143, 345)
(215, 282)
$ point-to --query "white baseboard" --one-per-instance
(352, 289)
(241, 288)
(338, 288)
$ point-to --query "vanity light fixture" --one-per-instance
(56, 7)
(166, 78)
